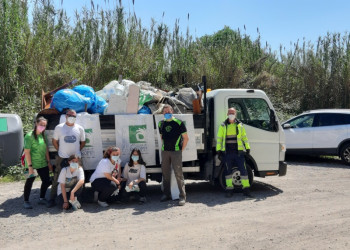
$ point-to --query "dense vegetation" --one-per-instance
(45, 48)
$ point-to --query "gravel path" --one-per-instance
(309, 208)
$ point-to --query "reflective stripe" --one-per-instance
(231, 141)
(231, 136)
(244, 177)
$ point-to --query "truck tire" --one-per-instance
(345, 153)
(222, 180)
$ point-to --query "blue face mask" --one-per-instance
(74, 165)
(135, 158)
(168, 116)
(115, 158)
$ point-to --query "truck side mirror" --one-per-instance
(273, 121)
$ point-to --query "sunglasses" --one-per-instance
(71, 115)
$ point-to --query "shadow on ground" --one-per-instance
(197, 192)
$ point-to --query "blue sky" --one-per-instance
(279, 21)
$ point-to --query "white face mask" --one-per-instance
(231, 117)
(115, 158)
(74, 165)
(135, 158)
(71, 120)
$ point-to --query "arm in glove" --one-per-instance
(220, 155)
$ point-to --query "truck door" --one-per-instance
(262, 134)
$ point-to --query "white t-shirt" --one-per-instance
(66, 176)
(133, 173)
(69, 138)
(104, 166)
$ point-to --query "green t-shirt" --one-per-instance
(37, 150)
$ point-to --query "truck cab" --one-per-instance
(264, 132)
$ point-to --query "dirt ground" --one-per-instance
(309, 208)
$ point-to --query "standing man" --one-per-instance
(231, 141)
(174, 140)
(68, 139)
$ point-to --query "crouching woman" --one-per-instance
(134, 176)
(71, 181)
(106, 178)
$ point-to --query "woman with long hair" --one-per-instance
(134, 175)
(106, 178)
(37, 161)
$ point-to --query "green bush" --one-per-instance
(16, 172)
(48, 49)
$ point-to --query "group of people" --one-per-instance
(109, 181)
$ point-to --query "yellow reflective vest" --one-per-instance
(242, 138)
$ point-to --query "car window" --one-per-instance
(332, 119)
(304, 121)
(252, 111)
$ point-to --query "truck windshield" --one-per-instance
(254, 112)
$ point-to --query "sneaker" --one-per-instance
(182, 202)
(142, 200)
(165, 198)
(103, 203)
(95, 196)
(42, 201)
(246, 193)
(51, 203)
(27, 205)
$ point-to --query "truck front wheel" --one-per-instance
(236, 177)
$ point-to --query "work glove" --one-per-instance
(75, 204)
(135, 188)
(220, 155)
(116, 192)
(247, 151)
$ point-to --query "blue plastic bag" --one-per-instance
(145, 110)
(99, 106)
(69, 99)
(86, 91)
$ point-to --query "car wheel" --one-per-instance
(345, 153)
(236, 177)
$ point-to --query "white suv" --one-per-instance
(319, 132)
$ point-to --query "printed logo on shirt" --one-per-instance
(137, 134)
(133, 171)
(68, 180)
(70, 139)
(168, 128)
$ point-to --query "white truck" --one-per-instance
(254, 110)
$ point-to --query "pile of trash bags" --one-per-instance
(80, 98)
(126, 97)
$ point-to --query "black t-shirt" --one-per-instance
(171, 132)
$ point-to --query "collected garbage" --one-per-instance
(69, 99)
(126, 97)
(135, 188)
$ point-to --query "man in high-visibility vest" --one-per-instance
(231, 142)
